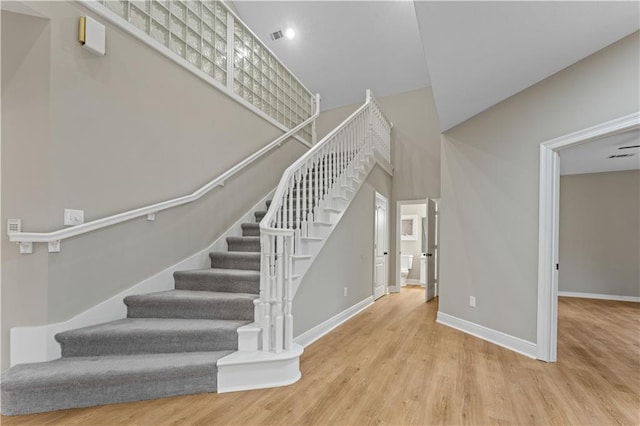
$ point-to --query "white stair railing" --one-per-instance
(306, 188)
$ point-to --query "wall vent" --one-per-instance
(276, 35)
(620, 155)
(629, 147)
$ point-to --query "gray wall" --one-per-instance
(600, 233)
(346, 260)
(108, 134)
(489, 202)
(415, 148)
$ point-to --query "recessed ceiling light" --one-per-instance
(289, 33)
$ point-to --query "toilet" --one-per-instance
(406, 262)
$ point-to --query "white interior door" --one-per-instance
(430, 288)
(381, 242)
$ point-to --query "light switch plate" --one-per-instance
(73, 217)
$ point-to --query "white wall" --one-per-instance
(489, 202)
(105, 135)
(600, 233)
(411, 247)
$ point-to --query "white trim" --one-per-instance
(521, 346)
(414, 281)
(313, 334)
(38, 344)
(549, 196)
(599, 296)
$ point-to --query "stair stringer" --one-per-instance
(250, 368)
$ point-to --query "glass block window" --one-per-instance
(196, 30)
(261, 79)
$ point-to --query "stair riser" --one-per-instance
(244, 246)
(234, 263)
(151, 343)
(250, 231)
(222, 283)
(223, 310)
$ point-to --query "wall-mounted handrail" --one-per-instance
(25, 239)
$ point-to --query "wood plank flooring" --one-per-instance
(392, 364)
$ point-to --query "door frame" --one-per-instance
(548, 225)
(396, 273)
(379, 196)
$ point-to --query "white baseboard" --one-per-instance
(599, 296)
(38, 344)
(499, 338)
(414, 281)
(310, 336)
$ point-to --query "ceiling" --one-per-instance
(343, 48)
(592, 157)
(478, 52)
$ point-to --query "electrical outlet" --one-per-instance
(73, 217)
(345, 291)
(472, 301)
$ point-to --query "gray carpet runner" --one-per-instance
(168, 345)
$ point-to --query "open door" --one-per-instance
(381, 242)
(430, 286)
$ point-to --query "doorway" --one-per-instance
(548, 228)
(381, 247)
(416, 257)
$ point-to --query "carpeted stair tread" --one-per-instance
(243, 244)
(88, 381)
(251, 229)
(235, 260)
(189, 304)
(215, 279)
(150, 335)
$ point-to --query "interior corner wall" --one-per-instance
(415, 149)
(345, 261)
(106, 135)
(489, 202)
(600, 233)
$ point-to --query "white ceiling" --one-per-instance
(343, 48)
(480, 53)
(592, 157)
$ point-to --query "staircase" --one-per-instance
(225, 328)
(168, 345)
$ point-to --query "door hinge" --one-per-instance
(557, 266)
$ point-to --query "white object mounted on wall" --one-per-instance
(409, 227)
(93, 35)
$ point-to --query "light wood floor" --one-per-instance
(393, 364)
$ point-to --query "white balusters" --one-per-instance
(305, 188)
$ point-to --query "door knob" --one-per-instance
(385, 253)
(429, 254)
